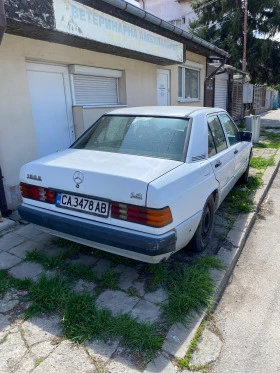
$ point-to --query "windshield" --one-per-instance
(147, 136)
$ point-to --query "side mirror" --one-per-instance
(246, 136)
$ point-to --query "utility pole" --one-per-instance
(244, 62)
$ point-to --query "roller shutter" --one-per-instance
(221, 93)
(92, 90)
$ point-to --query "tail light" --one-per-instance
(141, 215)
(37, 193)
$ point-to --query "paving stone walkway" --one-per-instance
(38, 345)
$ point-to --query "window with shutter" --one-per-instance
(95, 86)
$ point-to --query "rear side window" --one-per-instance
(217, 133)
(231, 130)
(211, 146)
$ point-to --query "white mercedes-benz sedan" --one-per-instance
(140, 182)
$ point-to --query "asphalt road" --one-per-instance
(248, 315)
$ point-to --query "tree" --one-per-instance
(221, 23)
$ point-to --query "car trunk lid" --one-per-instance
(112, 176)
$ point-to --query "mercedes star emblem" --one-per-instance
(78, 177)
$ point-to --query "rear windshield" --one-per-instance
(147, 136)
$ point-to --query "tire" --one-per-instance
(245, 177)
(204, 231)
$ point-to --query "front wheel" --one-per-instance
(204, 231)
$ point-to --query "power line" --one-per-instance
(214, 24)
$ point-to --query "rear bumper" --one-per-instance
(127, 242)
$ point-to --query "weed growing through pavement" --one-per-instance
(7, 281)
(272, 140)
(160, 274)
(190, 289)
(240, 199)
(83, 321)
(38, 361)
(186, 362)
(132, 292)
(261, 163)
(109, 280)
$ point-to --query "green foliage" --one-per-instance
(7, 281)
(272, 140)
(160, 274)
(221, 23)
(261, 163)
(83, 321)
(109, 279)
(240, 199)
(190, 290)
(186, 362)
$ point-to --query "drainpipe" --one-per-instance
(3, 203)
(3, 22)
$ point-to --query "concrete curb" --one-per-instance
(180, 336)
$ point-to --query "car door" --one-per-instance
(240, 149)
(220, 155)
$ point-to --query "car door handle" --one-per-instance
(236, 151)
(218, 164)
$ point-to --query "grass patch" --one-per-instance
(240, 199)
(272, 140)
(49, 294)
(186, 362)
(160, 275)
(7, 281)
(47, 262)
(190, 289)
(109, 279)
(261, 163)
(83, 321)
(77, 271)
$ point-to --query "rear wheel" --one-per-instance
(204, 231)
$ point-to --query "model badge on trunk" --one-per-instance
(34, 177)
(136, 196)
(78, 178)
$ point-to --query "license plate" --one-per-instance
(83, 204)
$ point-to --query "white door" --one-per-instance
(51, 103)
(221, 92)
(163, 87)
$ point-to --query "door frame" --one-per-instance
(166, 72)
(63, 69)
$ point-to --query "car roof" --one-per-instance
(164, 111)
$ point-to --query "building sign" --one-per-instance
(80, 20)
